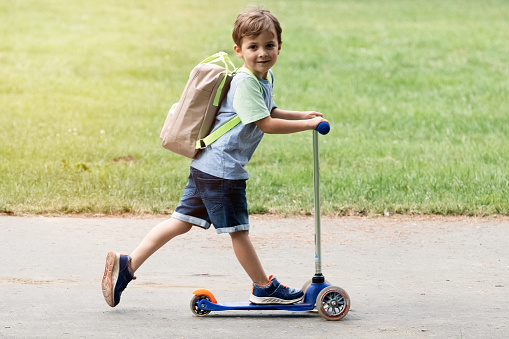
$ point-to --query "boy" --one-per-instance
(216, 190)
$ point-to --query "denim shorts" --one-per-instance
(211, 200)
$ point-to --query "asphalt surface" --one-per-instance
(406, 277)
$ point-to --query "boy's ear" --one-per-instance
(279, 48)
(238, 51)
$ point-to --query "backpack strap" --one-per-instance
(227, 126)
(218, 133)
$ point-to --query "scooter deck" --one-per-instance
(210, 306)
(307, 304)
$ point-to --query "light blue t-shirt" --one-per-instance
(227, 157)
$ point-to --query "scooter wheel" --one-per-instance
(195, 308)
(305, 288)
(333, 303)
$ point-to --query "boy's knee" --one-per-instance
(186, 228)
(180, 226)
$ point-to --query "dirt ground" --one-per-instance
(407, 277)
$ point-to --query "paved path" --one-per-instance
(407, 278)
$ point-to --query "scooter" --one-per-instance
(331, 302)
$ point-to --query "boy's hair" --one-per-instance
(253, 23)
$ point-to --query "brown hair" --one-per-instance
(253, 23)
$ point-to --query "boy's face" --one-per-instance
(259, 52)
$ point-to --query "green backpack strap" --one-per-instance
(227, 126)
(218, 133)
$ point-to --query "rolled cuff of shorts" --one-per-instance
(233, 229)
(192, 220)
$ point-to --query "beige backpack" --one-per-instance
(187, 127)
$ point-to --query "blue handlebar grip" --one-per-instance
(323, 128)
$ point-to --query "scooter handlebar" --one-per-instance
(323, 128)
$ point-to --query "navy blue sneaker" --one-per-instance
(117, 274)
(275, 293)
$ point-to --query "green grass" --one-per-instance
(416, 93)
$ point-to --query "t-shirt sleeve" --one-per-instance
(248, 101)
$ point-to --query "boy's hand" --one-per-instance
(314, 122)
(310, 115)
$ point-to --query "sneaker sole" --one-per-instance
(270, 300)
(110, 278)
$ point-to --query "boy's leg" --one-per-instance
(265, 290)
(156, 238)
(119, 269)
(246, 255)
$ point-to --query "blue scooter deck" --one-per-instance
(210, 306)
(307, 304)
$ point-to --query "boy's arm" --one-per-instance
(294, 115)
(272, 125)
(250, 106)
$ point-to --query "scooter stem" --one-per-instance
(318, 278)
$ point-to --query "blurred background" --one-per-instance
(416, 93)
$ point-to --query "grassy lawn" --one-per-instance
(416, 92)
